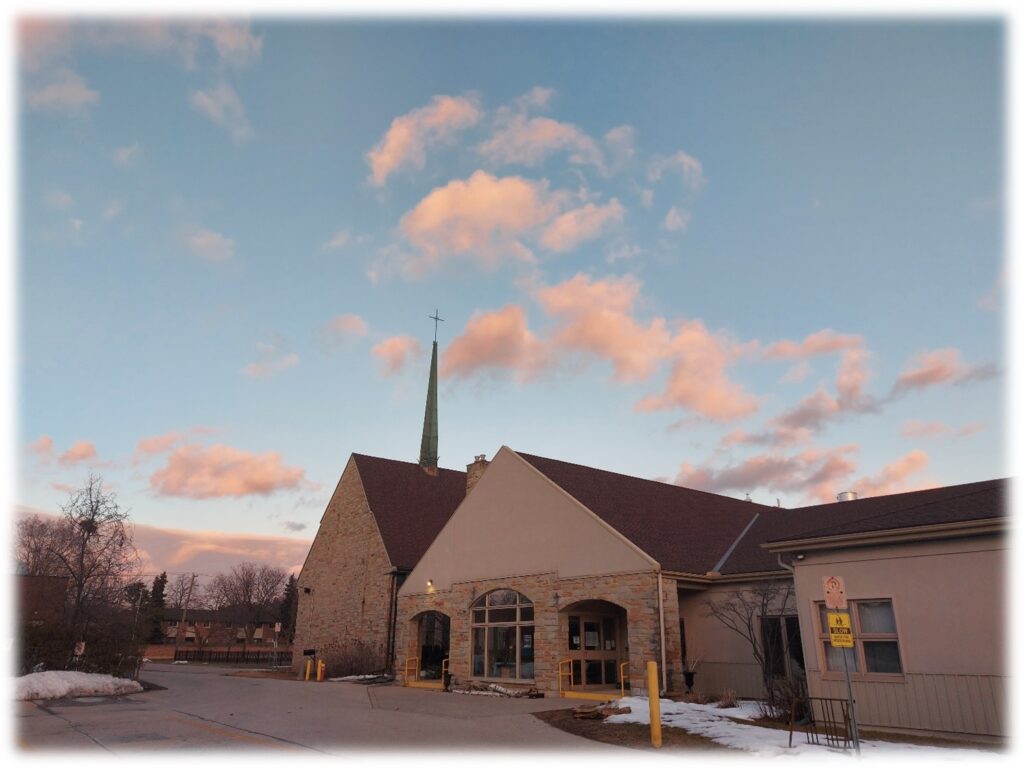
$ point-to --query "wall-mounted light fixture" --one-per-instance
(800, 556)
(430, 583)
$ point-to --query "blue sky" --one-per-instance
(749, 257)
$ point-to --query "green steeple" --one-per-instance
(428, 445)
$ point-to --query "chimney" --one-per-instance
(847, 496)
(475, 471)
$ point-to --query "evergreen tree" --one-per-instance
(289, 608)
(157, 602)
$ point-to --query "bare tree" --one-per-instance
(92, 545)
(177, 591)
(34, 538)
(743, 610)
(247, 593)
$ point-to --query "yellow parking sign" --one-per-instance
(840, 631)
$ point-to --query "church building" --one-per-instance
(534, 572)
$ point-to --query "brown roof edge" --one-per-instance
(987, 525)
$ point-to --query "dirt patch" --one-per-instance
(626, 734)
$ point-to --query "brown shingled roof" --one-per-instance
(954, 503)
(409, 505)
(684, 530)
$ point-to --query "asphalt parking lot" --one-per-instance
(204, 707)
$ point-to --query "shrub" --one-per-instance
(353, 657)
(728, 699)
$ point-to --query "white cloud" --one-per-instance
(676, 220)
(222, 106)
(127, 156)
(211, 246)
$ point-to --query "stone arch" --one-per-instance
(429, 641)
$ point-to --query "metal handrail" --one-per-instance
(562, 675)
(416, 666)
(623, 677)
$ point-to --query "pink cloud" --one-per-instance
(822, 342)
(274, 357)
(697, 379)
(915, 428)
(938, 366)
(595, 319)
(581, 224)
(43, 447)
(67, 92)
(528, 141)
(409, 136)
(44, 41)
(481, 218)
(814, 473)
(894, 477)
(395, 352)
(151, 446)
(495, 341)
(342, 327)
(926, 429)
(83, 450)
(195, 472)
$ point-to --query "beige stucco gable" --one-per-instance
(517, 522)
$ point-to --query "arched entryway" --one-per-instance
(427, 662)
(595, 644)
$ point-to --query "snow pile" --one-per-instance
(62, 684)
(714, 723)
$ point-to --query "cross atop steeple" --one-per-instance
(436, 320)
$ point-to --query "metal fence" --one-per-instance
(244, 656)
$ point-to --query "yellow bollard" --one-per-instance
(309, 668)
(655, 702)
(321, 668)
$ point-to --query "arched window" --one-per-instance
(503, 636)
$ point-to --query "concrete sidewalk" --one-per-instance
(204, 707)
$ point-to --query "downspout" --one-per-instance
(661, 622)
(392, 621)
(778, 557)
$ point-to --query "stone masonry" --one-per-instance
(347, 580)
(551, 596)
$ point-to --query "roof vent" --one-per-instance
(748, 498)
(847, 496)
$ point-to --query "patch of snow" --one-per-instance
(63, 684)
(179, 662)
(351, 677)
(714, 723)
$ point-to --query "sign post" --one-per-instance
(840, 635)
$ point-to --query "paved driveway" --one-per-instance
(204, 708)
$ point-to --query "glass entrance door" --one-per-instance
(594, 644)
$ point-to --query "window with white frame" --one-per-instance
(876, 644)
(502, 623)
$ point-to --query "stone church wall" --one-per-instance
(635, 592)
(346, 581)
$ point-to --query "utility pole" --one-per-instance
(183, 627)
